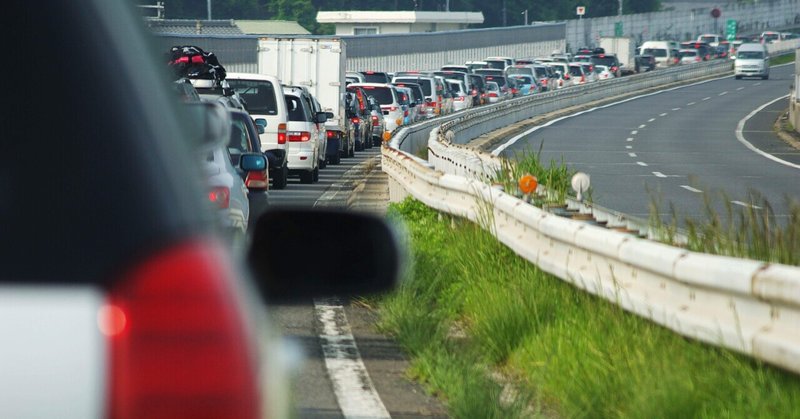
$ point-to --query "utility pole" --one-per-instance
(505, 21)
(526, 16)
(446, 5)
(619, 11)
(208, 7)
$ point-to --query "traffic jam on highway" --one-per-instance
(302, 125)
(139, 311)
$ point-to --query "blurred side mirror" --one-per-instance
(329, 115)
(428, 100)
(250, 162)
(287, 276)
(260, 129)
(261, 122)
(321, 117)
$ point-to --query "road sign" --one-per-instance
(580, 10)
(617, 28)
(730, 30)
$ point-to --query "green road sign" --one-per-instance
(617, 28)
(731, 30)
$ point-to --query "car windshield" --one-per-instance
(575, 70)
(541, 72)
(498, 64)
(519, 70)
(708, 39)
(604, 60)
(500, 80)
(750, 55)
(258, 94)
(381, 94)
(656, 52)
(425, 84)
(371, 77)
(688, 53)
(522, 79)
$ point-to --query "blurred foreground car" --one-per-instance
(117, 299)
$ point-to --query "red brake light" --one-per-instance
(330, 134)
(299, 136)
(281, 133)
(182, 349)
(375, 121)
(221, 196)
(354, 120)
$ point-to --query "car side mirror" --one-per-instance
(260, 129)
(287, 276)
(412, 105)
(428, 100)
(250, 162)
(261, 122)
(321, 117)
(329, 115)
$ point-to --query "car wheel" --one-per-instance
(368, 142)
(315, 175)
(737, 77)
(765, 77)
(323, 163)
(280, 181)
(307, 177)
(350, 152)
(376, 141)
(359, 146)
(336, 159)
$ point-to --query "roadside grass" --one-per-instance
(782, 59)
(752, 231)
(474, 310)
(555, 177)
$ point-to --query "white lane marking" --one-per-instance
(651, 120)
(632, 154)
(676, 109)
(642, 126)
(690, 103)
(722, 94)
(706, 98)
(746, 205)
(354, 390)
(740, 88)
(634, 132)
(641, 163)
(663, 114)
(659, 174)
(629, 147)
(740, 135)
(513, 140)
(629, 139)
(757, 84)
(691, 189)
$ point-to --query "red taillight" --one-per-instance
(514, 91)
(281, 133)
(566, 76)
(492, 94)
(257, 180)
(299, 136)
(614, 69)
(405, 113)
(330, 134)
(375, 121)
(354, 120)
(697, 59)
(220, 196)
(179, 347)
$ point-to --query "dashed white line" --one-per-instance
(632, 154)
(651, 120)
(691, 189)
(746, 205)
(659, 174)
(663, 114)
(676, 109)
(354, 390)
(722, 94)
(642, 126)
(641, 163)
(629, 147)
(690, 103)
(706, 98)
(740, 88)
(634, 132)
(629, 139)
(757, 84)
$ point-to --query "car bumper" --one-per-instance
(301, 160)
(750, 72)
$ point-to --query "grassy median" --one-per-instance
(494, 337)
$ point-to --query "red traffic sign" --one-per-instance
(716, 13)
(580, 10)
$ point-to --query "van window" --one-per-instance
(425, 84)
(656, 52)
(258, 94)
(381, 94)
(750, 55)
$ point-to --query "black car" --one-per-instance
(645, 62)
(608, 60)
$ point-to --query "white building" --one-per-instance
(374, 22)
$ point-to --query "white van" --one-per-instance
(752, 60)
(665, 52)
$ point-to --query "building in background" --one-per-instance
(374, 23)
(271, 27)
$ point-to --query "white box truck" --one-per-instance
(317, 64)
(624, 48)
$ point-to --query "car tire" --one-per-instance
(350, 151)
(307, 177)
(323, 163)
(765, 77)
(359, 146)
(376, 141)
(368, 142)
(336, 159)
(280, 181)
(315, 175)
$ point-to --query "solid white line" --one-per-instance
(651, 120)
(663, 114)
(641, 163)
(659, 174)
(642, 126)
(517, 137)
(676, 109)
(722, 94)
(740, 135)
(354, 390)
(746, 205)
(691, 189)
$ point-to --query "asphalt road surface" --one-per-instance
(673, 146)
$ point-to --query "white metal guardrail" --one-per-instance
(747, 306)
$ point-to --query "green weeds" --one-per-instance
(475, 310)
(555, 177)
